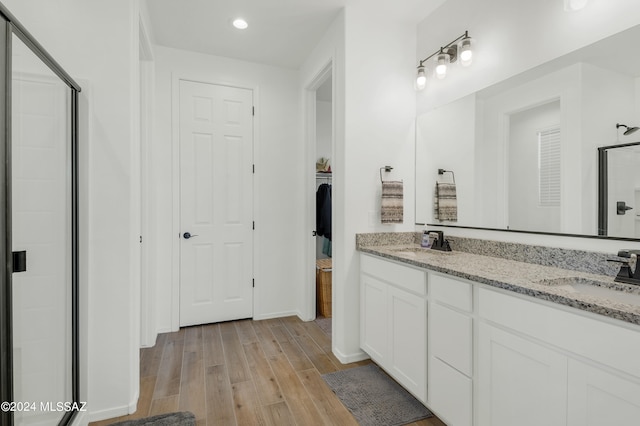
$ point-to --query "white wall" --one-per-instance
(374, 106)
(81, 35)
(379, 131)
(324, 129)
(449, 131)
(512, 37)
(608, 97)
(278, 155)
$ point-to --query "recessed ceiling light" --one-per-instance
(574, 5)
(240, 23)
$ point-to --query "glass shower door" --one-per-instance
(41, 216)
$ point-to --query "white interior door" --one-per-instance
(216, 203)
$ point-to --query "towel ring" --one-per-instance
(443, 171)
(387, 169)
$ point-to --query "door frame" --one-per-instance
(148, 327)
(175, 182)
(327, 70)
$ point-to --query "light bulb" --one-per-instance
(466, 54)
(441, 68)
(421, 81)
(240, 23)
(574, 5)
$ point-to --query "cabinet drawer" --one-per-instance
(450, 394)
(451, 335)
(405, 277)
(450, 291)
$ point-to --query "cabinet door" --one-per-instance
(451, 337)
(520, 382)
(450, 394)
(600, 398)
(408, 346)
(373, 318)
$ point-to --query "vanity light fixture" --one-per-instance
(449, 54)
(443, 61)
(421, 81)
(240, 23)
(574, 5)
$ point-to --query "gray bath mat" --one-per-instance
(374, 398)
(183, 418)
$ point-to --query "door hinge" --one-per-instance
(254, 169)
(140, 239)
(254, 225)
(253, 281)
(253, 110)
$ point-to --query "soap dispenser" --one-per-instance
(426, 241)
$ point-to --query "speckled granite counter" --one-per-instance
(530, 279)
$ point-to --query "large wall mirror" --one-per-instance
(525, 151)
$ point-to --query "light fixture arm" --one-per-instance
(444, 49)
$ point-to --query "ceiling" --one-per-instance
(281, 32)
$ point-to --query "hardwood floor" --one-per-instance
(244, 373)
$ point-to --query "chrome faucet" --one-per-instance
(626, 274)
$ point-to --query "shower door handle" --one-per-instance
(19, 261)
(622, 207)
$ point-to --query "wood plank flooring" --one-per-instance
(244, 373)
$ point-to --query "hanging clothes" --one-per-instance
(323, 211)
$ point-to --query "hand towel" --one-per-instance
(391, 205)
(445, 202)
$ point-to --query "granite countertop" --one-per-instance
(541, 282)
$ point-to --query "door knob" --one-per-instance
(188, 235)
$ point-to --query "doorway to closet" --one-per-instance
(39, 324)
(323, 202)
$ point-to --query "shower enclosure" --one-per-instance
(39, 382)
(619, 190)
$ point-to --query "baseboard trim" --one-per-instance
(80, 419)
(275, 315)
(348, 359)
(110, 413)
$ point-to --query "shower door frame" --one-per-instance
(9, 28)
(603, 185)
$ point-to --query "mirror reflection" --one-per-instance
(525, 151)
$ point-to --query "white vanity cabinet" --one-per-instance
(490, 357)
(450, 362)
(538, 364)
(393, 320)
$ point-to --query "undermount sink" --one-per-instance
(590, 287)
(416, 250)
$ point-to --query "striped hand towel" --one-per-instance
(391, 206)
(445, 203)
